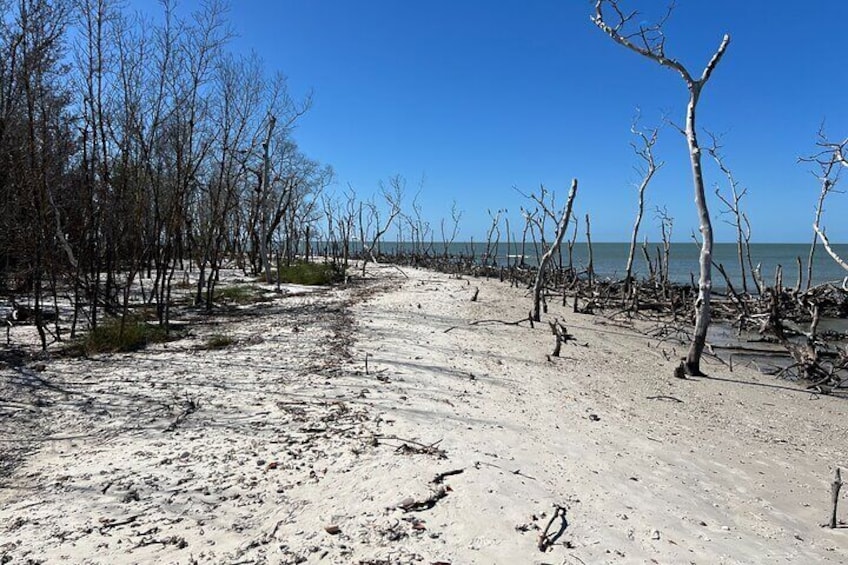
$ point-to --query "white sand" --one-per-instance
(292, 437)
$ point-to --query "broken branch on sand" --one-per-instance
(409, 446)
(440, 478)
(546, 540)
(835, 487)
(426, 504)
(190, 406)
(480, 322)
(664, 397)
(560, 334)
(109, 525)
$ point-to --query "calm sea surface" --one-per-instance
(610, 259)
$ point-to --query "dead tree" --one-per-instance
(646, 153)
(666, 226)
(263, 191)
(393, 199)
(590, 265)
(649, 41)
(733, 207)
(456, 216)
(538, 286)
(830, 160)
(491, 253)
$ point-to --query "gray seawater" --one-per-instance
(610, 259)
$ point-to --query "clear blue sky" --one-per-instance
(478, 97)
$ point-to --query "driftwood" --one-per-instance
(109, 525)
(426, 504)
(487, 322)
(776, 312)
(409, 446)
(190, 406)
(560, 334)
(835, 487)
(547, 538)
(440, 478)
(664, 397)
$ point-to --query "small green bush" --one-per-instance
(311, 274)
(219, 341)
(109, 337)
(238, 294)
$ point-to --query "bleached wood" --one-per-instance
(830, 251)
(546, 258)
(653, 47)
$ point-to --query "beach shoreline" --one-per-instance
(402, 422)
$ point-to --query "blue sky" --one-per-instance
(472, 98)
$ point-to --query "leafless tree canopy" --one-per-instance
(649, 40)
(130, 149)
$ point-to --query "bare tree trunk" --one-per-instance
(263, 190)
(649, 41)
(732, 205)
(538, 286)
(590, 268)
(835, 487)
(705, 282)
(647, 155)
(755, 270)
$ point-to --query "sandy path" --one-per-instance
(736, 470)
(176, 453)
(289, 456)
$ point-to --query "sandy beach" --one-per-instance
(398, 421)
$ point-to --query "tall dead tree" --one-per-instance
(645, 152)
(649, 41)
(829, 158)
(539, 284)
(263, 198)
(733, 207)
(456, 216)
(394, 200)
(831, 161)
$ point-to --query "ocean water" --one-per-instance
(610, 260)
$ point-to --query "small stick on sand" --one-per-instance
(664, 397)
(415, 447)
(430, 502)
(440, 478)
(190, 406)
(835, 487)
(546, 540)
(110, 525)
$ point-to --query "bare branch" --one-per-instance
(830, 251)
(652, 41)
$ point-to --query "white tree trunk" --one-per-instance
(705, 280)
(650, 42)
(546, 258)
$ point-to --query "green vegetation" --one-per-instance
(311, 274)
(219, 341)
(238, 294)
(108, 337)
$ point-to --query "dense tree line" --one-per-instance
(133, 148)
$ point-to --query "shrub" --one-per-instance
(238, 294)
(109, 337)
(311, 274)
(219, 341)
